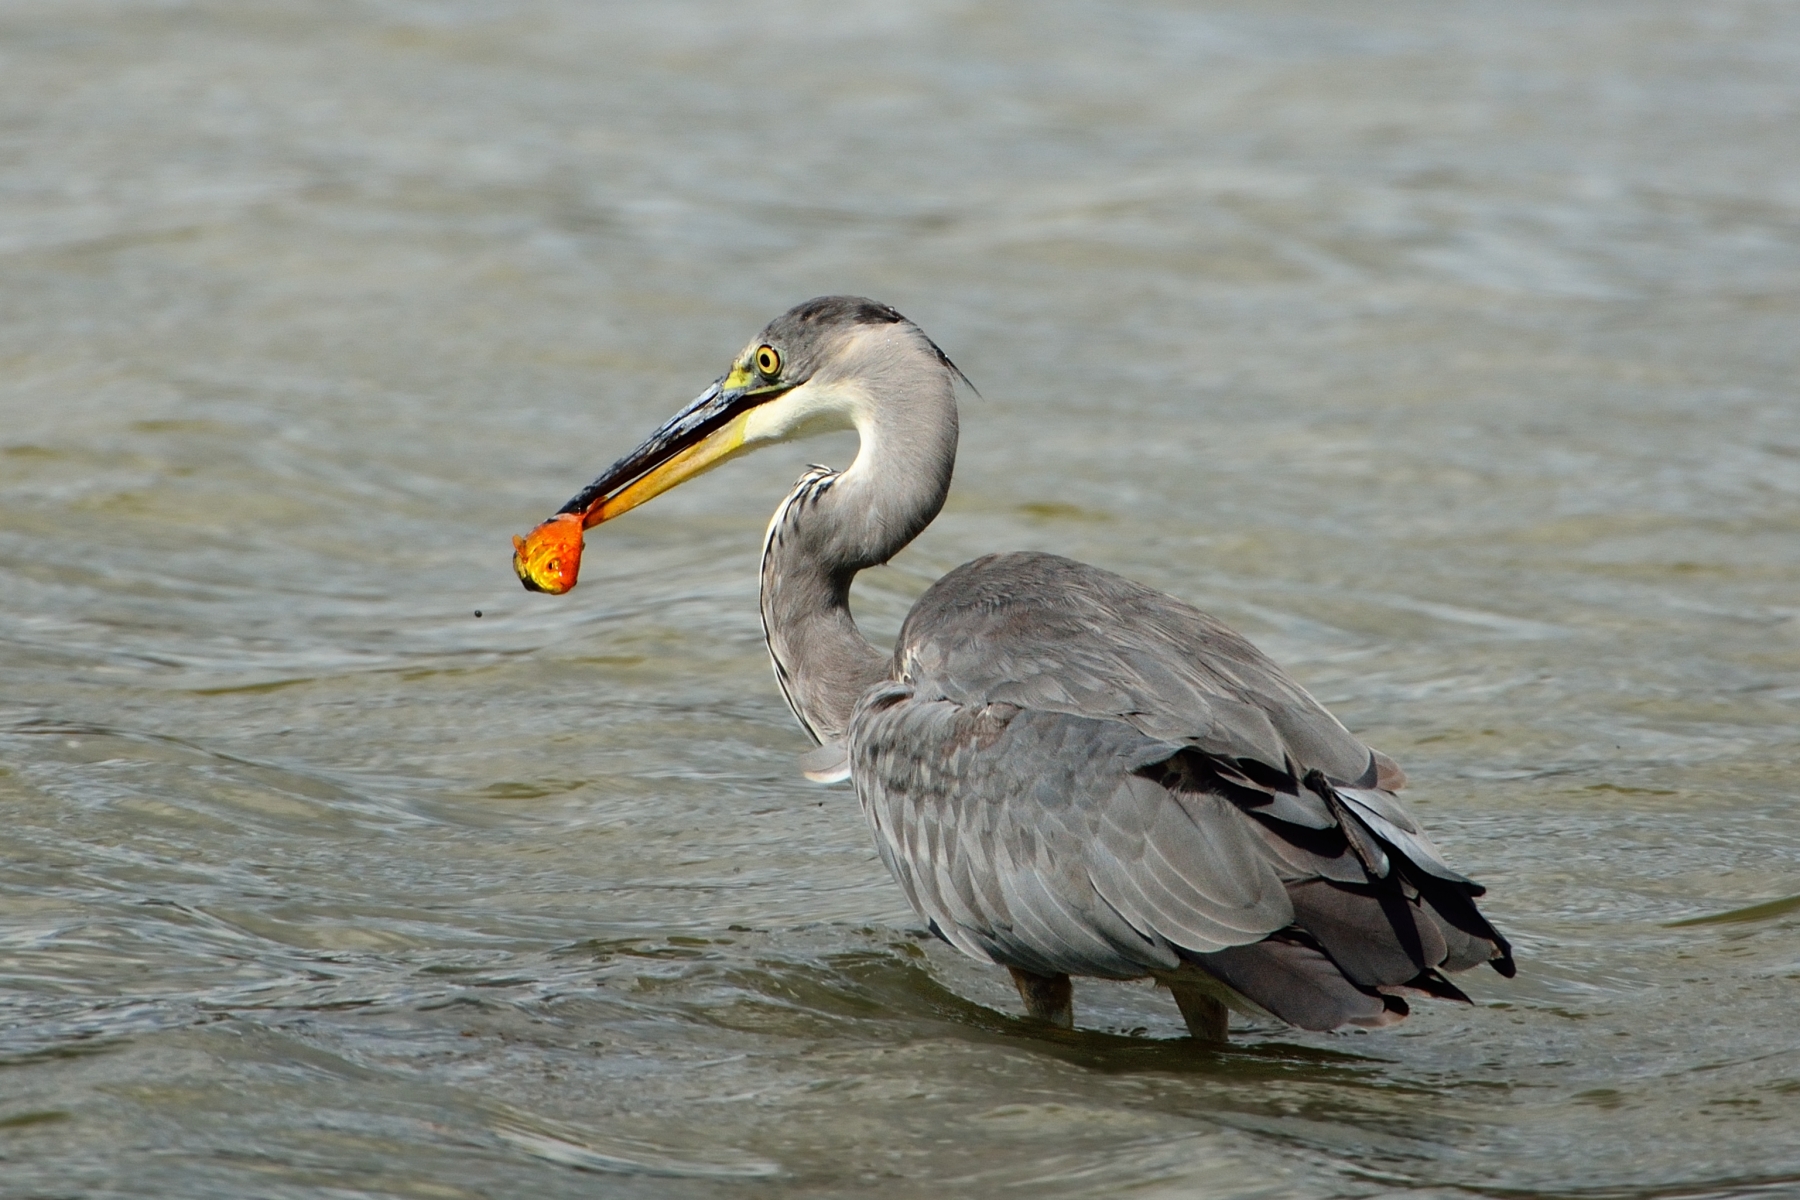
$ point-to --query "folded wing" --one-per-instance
(1078, 775)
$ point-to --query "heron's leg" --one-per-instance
(1207, 1018)
(1047, 997)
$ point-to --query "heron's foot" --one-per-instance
(1049, 998)
(1206, 1015)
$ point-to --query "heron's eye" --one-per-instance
(768, 361)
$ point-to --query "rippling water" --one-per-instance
(1448, 351)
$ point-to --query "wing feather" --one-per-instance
(1043, 632)
(1075, 774)
(1034, 837)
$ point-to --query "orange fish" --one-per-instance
(548, 559)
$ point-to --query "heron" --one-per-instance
(1067, 773)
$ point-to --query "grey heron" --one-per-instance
(1067, 773)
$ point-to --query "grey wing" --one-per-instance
(1048, 633)
(1035, 840)
(1371, 895)
(1073, 845)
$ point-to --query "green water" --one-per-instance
(1450, 352)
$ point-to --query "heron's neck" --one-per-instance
(833, 525)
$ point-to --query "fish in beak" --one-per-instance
(716, 426)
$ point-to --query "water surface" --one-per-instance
(1448, 351)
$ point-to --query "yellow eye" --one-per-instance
(768, 361)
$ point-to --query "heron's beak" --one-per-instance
(698, 438)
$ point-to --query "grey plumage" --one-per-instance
(1069, 773)
(1074, 774)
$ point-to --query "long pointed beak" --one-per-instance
(701, 436)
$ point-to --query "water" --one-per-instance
(1448, 351)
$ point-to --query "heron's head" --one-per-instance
(824, 365)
